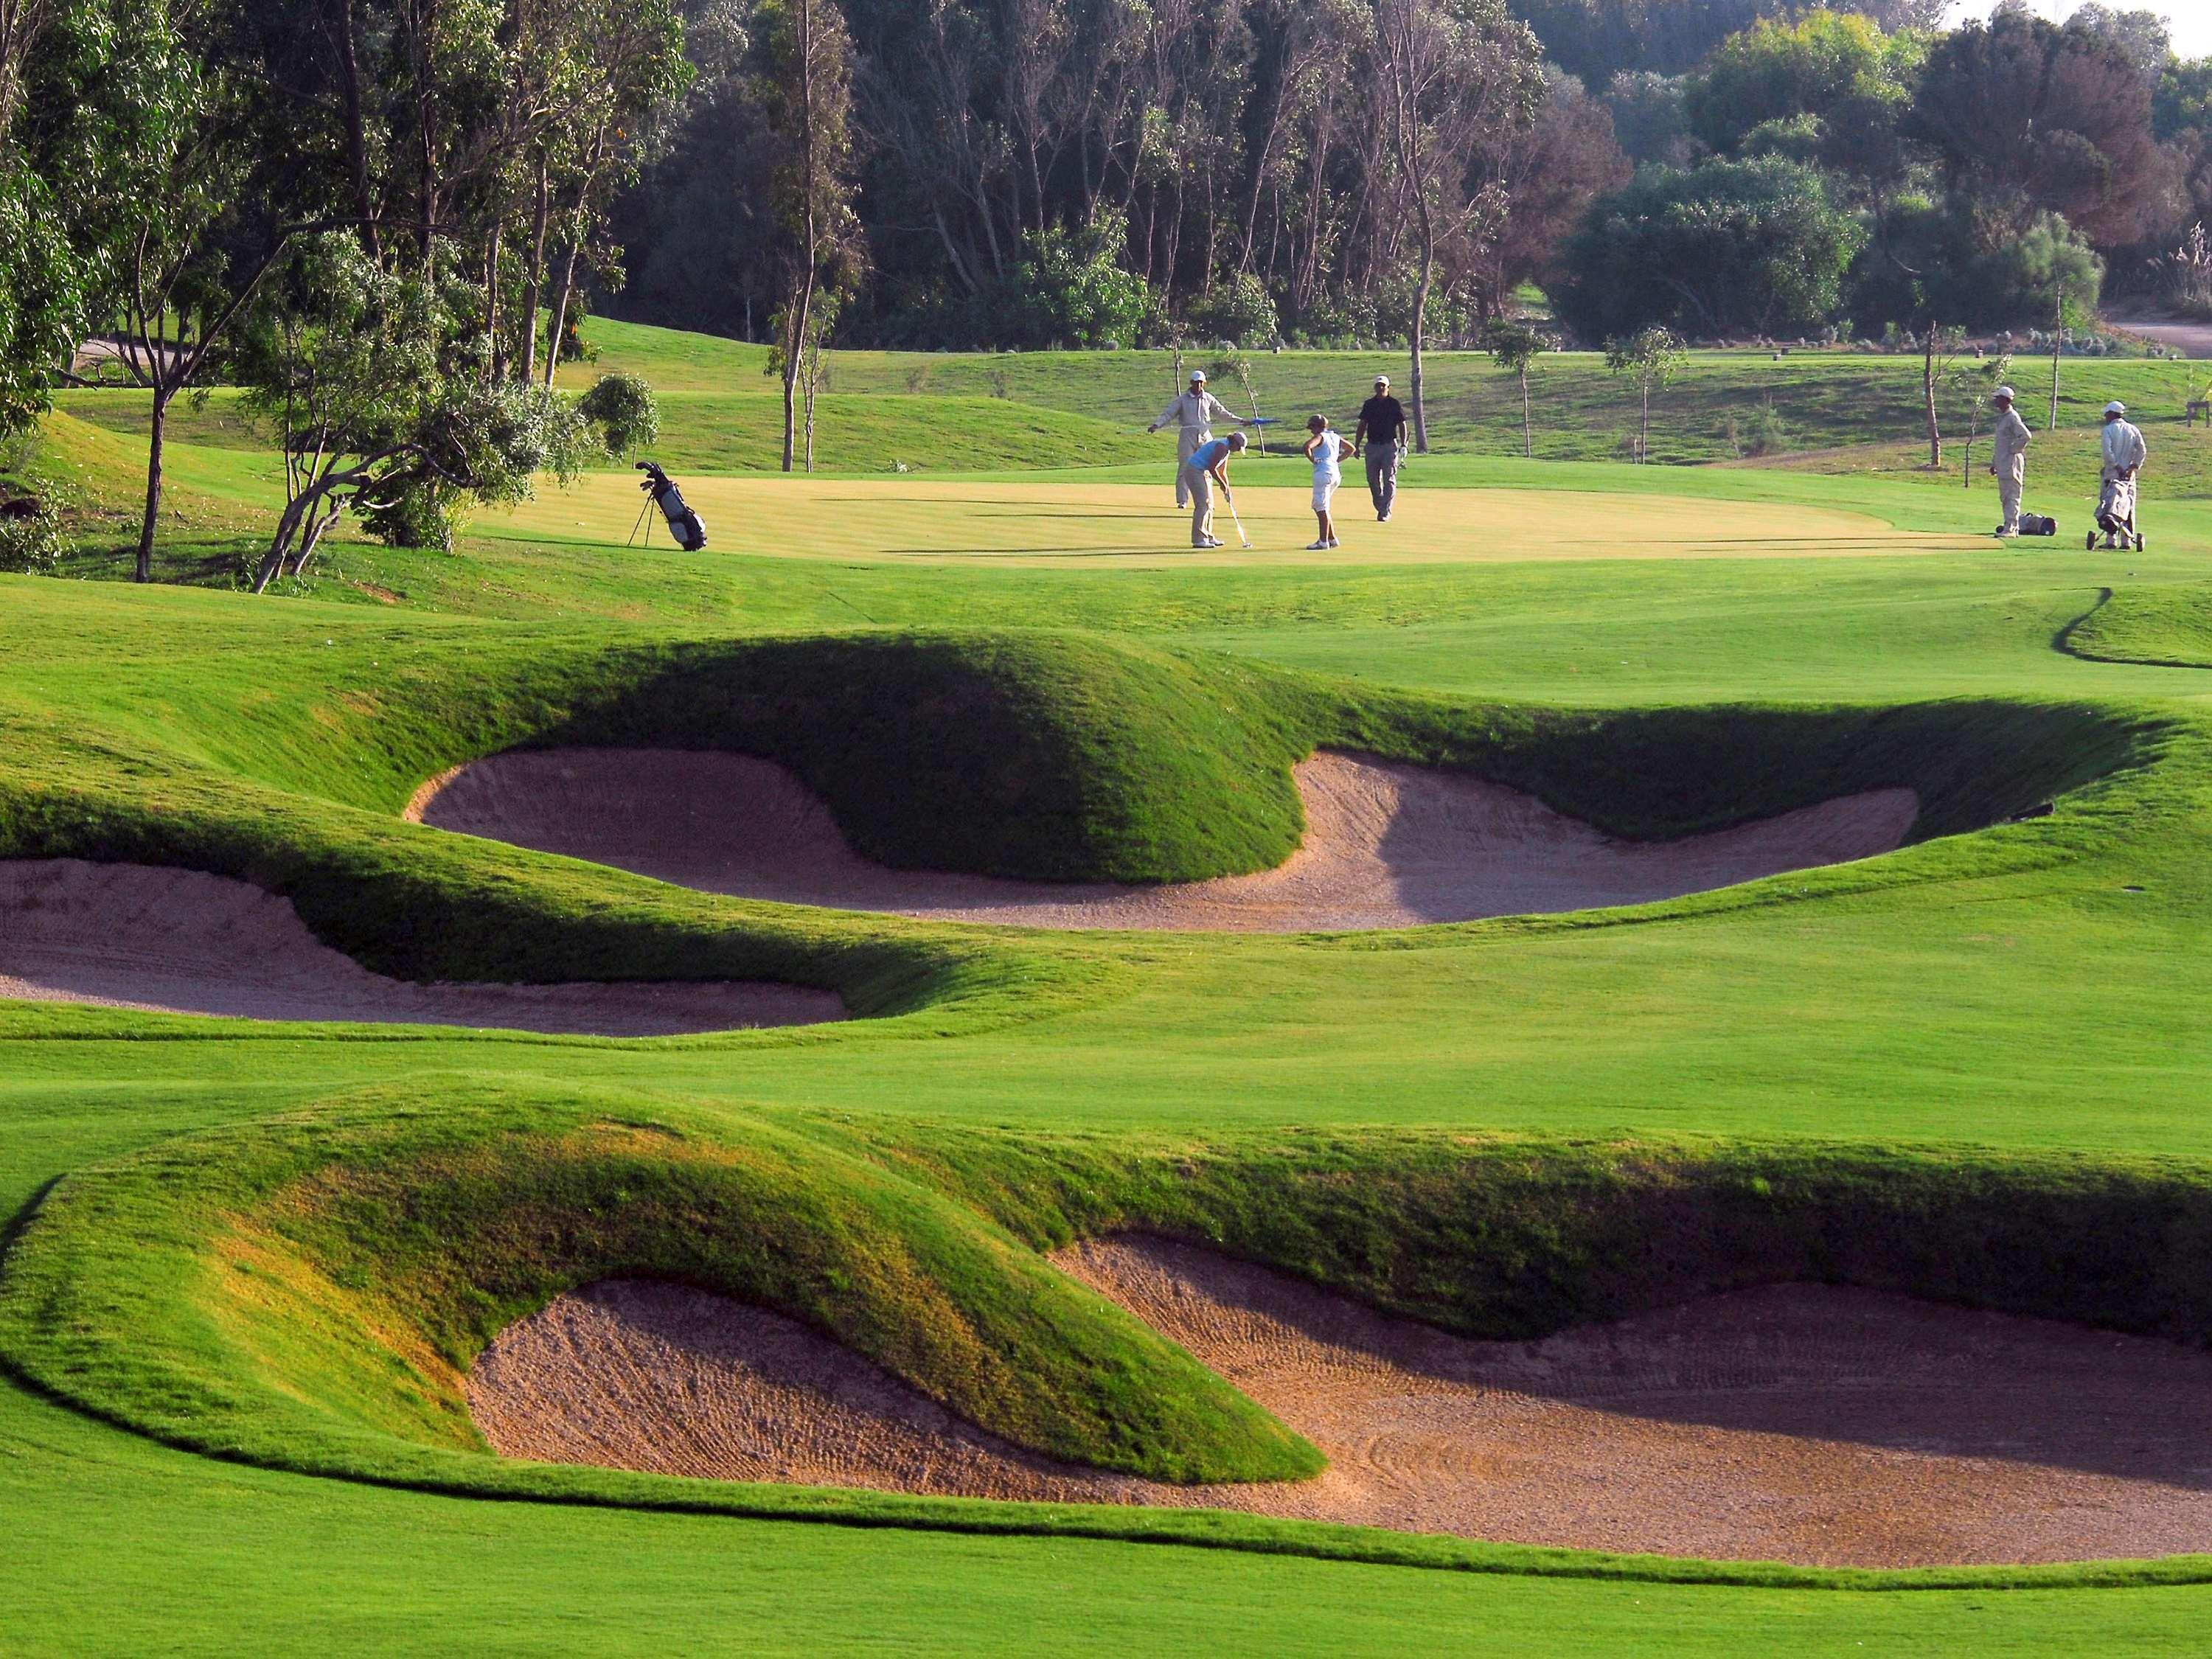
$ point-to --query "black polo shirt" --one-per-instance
(1384, 416)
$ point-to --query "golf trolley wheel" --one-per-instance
(2139, 542)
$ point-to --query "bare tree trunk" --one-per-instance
(426, 187)
(356, 130)
(1928, 401)
(145, 570)
(2057, 346)
(534, 287)
(1528, 426)
(813, 384)
(796, 319)
(497, 371)
(560, 320)
(1643, 428)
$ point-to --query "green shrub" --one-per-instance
(621, 409)
(30, 542)
(1238, 310)
(1735, 247)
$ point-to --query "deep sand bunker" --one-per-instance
(1793, 1423)
(179, 941)
(1386, 845)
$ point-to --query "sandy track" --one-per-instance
(2192, 339)
(178, 941)
(1793, 1423)
(1386, 846)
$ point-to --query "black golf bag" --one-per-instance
(684, 524)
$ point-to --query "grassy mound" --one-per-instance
(1517, 1239)
(1065, 756)
(1052, 755)
(2158, 627)
(308, 1293)
(736, 426)
(305, 1293)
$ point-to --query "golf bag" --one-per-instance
(2116, 508)
(682, 523)
(2034, 524)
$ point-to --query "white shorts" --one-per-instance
(1324, 488)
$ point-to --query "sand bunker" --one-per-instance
(1386, 845)
(1793, 1423)
(177, 941)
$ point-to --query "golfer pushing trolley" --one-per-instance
(2125, 451)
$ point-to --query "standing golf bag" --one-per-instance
(682, 523)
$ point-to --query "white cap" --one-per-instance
(2004, 391)
(2116, 409)
(1197, 375)
(1382, 380)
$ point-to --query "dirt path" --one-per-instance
(1793, 1423)
(1386, 846)
(2194, 340)
(177, 941)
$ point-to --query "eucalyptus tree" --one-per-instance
(371, 380)
(806, 86)
(1453, 75)
(1650, 358)
(1515, 346)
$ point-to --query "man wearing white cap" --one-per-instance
(2010, 465)
(2124, 453)
(1193, 413)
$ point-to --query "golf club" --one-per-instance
(1229, 497)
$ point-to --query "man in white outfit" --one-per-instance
(1193, 415)
(2124, 453)
(2010, 464)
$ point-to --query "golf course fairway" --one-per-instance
(1894, 1138)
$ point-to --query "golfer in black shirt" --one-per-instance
(1381, 431)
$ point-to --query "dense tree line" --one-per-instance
(386, 217)
(1033, 171)
(1823, 174)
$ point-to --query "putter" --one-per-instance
(1228, 496)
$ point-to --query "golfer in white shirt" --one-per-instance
(2124, 453)
(1193, 415)
(1327, 450)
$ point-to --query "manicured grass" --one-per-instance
(1972, 1069)
(1580, 412)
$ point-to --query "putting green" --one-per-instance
(1139, 527)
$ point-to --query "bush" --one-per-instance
(1959, 282)
(1735, 247)
(30, 542)
(1070, 287)
(621, 409)
(424, 514)
(1238, 310)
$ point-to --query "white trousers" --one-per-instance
(1187, 440)
(2012, 479)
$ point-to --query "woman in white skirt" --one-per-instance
(1326, 450)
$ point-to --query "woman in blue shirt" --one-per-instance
(1208, 465)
